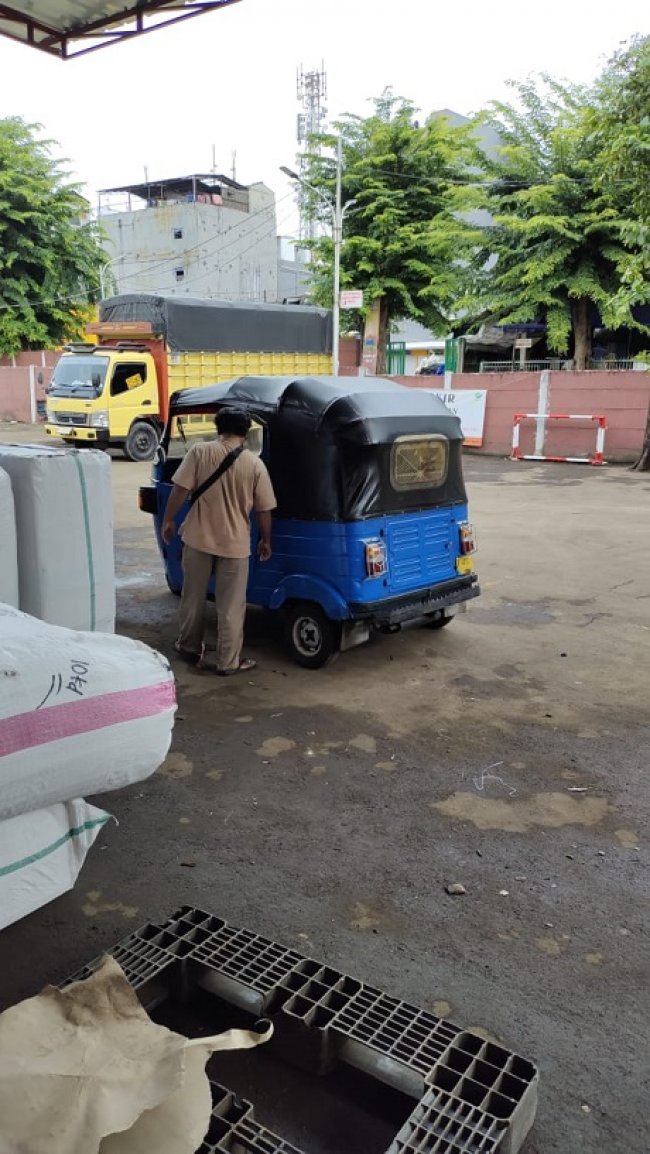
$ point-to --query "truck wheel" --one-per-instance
(439, 620)
(312, 639)
(141, 443)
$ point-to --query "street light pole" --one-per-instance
(338, 241)
(338, 212)
(102, 273)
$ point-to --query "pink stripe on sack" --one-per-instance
(38, 727)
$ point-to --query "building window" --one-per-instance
(178, 234)
(179, 273)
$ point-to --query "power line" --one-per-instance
(83, 295)
(237, 256)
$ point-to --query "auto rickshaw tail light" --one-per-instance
(376, 560)
(467, 538)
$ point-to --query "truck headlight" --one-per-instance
(99, 420)
(50, 416)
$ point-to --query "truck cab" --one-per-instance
(103, 395)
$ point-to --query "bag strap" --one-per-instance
(228, 460)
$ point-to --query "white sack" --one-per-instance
(8, 549)
(80, 713)
(41, 854)
(64, 526)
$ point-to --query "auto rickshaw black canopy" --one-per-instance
(330, 441)
(368, 410)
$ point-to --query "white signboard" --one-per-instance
(351, 299)
(469, 406)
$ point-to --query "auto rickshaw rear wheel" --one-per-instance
(311, 637)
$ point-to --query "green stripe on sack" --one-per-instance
(89, 544)
(41, 853)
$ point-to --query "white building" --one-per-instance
(200, 235)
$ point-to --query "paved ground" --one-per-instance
(328, 810)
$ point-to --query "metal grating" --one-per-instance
(472, 1096)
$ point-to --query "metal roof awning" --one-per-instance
(177, 186)
(68, 28)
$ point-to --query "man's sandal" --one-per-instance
(191, 658)
(245, 666)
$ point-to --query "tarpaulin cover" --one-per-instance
(329, 441)
(190, 325)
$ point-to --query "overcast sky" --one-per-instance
(228, 79)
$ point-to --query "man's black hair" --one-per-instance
(232, 422)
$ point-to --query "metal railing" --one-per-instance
(557, 364)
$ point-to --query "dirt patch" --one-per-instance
(549, 810)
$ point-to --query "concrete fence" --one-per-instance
(23, 380)
(622, 397)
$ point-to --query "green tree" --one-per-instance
(620, 120)
(405, 238)
(558, 246)
(50, 253)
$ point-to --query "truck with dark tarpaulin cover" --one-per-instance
(115, 394)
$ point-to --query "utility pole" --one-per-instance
(338, 241)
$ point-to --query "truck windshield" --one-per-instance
(78, 376)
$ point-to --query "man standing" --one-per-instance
(224, 482)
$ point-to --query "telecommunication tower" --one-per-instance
(311, 88)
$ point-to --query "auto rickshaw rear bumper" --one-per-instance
(398, 610)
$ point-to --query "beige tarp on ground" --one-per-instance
(86, 1071)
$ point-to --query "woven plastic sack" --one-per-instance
(80, 713)
(64, 528)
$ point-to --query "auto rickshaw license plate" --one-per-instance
(464, 565)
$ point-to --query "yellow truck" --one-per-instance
(115, 394)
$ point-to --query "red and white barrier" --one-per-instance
(597, 459)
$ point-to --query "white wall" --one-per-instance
(223, 252)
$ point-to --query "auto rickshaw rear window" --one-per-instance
(419, 462)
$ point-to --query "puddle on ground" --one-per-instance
(441, 1008)
(627, 838)
(95, 905)
(364, 917)
(274, 746)
(176, 765)
(516, 815)
(551, 946)
(364, 742)
(512, 613)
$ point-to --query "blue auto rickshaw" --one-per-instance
(371, 528)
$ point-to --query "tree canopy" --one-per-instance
(406, 236)
(559, 248)
(50, 252)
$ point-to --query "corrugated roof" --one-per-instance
(68, 28)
